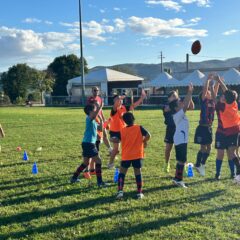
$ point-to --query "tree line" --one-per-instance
(22, 82)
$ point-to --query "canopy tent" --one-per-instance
(101, 77)
(232, 77)
(197, 78)
(162, 80)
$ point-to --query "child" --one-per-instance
(181, 134)
(117, 123)
(231, 124)
(89, 144)
(203, 134)
(170, 129)
(133, 138)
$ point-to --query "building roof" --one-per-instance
(197, 78)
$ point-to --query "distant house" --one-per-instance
(109, 82)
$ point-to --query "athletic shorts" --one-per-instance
(98, 142)
(170, 130)
(137, 163)
(203, 135)
(181, 152)
(89, 150)
(224, 142)
(115, 135)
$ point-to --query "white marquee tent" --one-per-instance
(197, 78)
(232, 77)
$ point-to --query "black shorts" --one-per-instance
(115, 135)
(137, 163)
(181, 152)
(203, 135)
(98, 142)
(224, 142)
(170, 130)
(89, 150)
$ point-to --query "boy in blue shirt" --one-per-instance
(89, 144)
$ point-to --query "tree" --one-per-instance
(43, 82)
(17, 81)
(64, 68)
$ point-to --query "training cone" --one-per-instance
(116, 173)
(25, 156)
(35, 168)
(190, 170)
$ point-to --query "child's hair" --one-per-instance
(128, 118)
(171, 93)
(230, 96)
(88, 108)
(172, 105)
(115, 96)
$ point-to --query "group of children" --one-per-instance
(133, 138)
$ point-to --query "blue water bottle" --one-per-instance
(25, 156)
(190, 171)
(116, 173)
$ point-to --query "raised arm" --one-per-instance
(221, 83)
(99, 107)
(206, 86)
(188, 98)
(139, 101)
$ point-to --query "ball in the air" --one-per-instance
(196, 47)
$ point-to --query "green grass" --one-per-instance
(46, 206)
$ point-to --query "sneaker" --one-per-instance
(87, 175)
(217, 177)
(179, 183)
(140, 196)
(110, 165)
(167, 168)
(237, 179)
(201, 170)
(103, 185)
(74, 179)
(119, 195)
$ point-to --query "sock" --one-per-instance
(204, 158)
(237, 164)
(121, 178)
(99, 173)
(139, 183)
(218, 167)
(199, 159)
(179, 171)
(231, 166)
(79, 170)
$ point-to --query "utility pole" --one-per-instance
(187, 62)
(161, 57)
(81, 53)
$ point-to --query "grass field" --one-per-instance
(46, 206)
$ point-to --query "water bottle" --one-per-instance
(116, 173)
(190, 170)
(35, 168)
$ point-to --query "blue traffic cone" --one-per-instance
(25, 156)
(115, 179)
(34, 168)
(190, 171)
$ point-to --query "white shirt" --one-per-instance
(182, 126)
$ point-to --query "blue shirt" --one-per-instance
(90, 134)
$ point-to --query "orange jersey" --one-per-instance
(117, 122)
(230, 116)
(132, 143)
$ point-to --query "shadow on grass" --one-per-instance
(117, 233)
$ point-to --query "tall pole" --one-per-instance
(161, 57)
(187, 62)
(81, 53)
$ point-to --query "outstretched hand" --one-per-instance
(143, 95)
(190, 88)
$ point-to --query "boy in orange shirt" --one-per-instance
(134, 139)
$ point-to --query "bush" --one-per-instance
(5, 100)
(20, 101)
(34, 97)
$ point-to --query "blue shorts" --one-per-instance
(137, 163)
(115, 135)
(89, 150)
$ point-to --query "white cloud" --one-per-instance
(102, 11)
(193, 22)
(116, 9)
(90, 58)
(163, 28)
(48, 22)
(32, 20)
(230, 32)
(200, 3)
(119, 25)
(168, 4)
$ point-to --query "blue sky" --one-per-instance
(117, 31)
